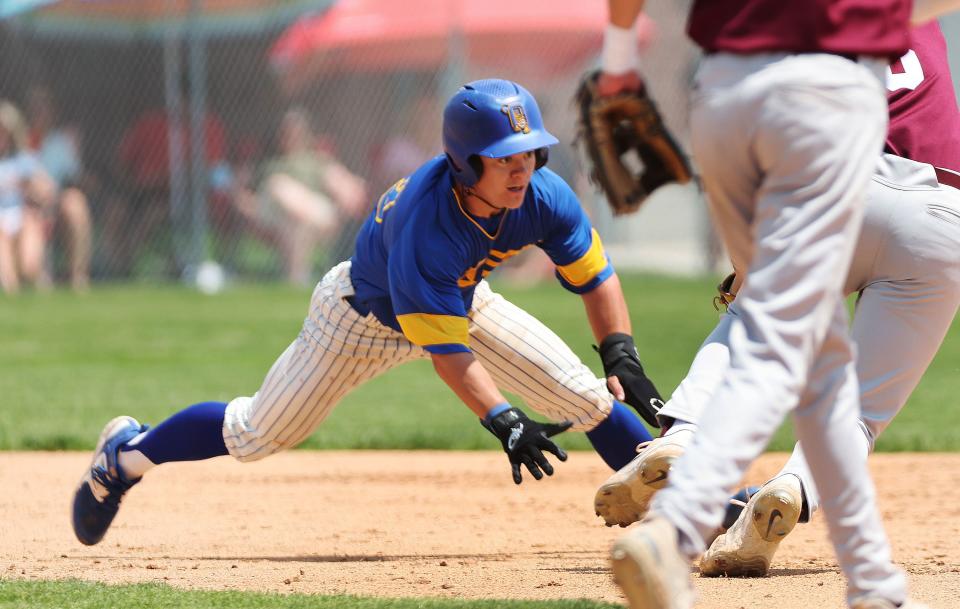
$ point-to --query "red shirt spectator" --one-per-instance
(144, 150)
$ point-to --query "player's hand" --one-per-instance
(616, 388)
(525, 440)
(625, 377)
(611, 84)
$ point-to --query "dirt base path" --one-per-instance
(426, 524)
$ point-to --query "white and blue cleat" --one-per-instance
(97, 499)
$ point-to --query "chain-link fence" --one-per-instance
(257, 133)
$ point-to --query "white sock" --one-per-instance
(133, 462)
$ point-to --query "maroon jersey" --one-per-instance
(924, 120)
(843, 27)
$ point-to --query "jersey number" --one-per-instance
(905, 73)
(389, 199)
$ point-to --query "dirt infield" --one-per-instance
(426, 524)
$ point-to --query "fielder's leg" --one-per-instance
(838, 463)
(625, 496)
(908, 275)
(788, 203)
(749, 546)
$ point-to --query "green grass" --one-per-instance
(79, 595)
(71, 362)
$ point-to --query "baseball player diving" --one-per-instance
(415, 289)
(906, 273)
(788, 118)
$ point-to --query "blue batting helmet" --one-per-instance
(493, 118)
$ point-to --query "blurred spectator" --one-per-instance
(414, 141)
(58, 149)
(301, 196)
(23, 184)
(143, 205)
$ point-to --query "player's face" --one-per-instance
(504, 181)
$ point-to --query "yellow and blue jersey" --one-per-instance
(420, 254)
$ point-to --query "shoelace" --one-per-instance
(116, 487)
(749, 495)
(643, 445)
(733, 501)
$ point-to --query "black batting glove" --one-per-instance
(620, 359)
(524, 440)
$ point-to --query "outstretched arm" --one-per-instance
(607, 309)
(610, 322)
(618, 67)
(624, 13)
(469, 380)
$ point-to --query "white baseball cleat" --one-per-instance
(649, 568)
(747, 548)
(877, 603)
(624, 498)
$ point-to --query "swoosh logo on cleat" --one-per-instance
(775, 515)
(661, 475)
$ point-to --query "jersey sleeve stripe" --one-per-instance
(592, 263)
(426, 329)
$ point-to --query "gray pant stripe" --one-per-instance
(580, 391)
(304, 411)
(533, 390)
(505, 323)
(275, 391)
(332, 393)
(272, 383)
(314, 409)
(276, 411)
(307, 408)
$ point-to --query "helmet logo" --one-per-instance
(517, 116)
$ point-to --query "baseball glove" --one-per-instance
(611, 127)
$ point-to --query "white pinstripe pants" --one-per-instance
(338, 350)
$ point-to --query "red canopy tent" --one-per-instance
(154, 19)
(387, 35)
